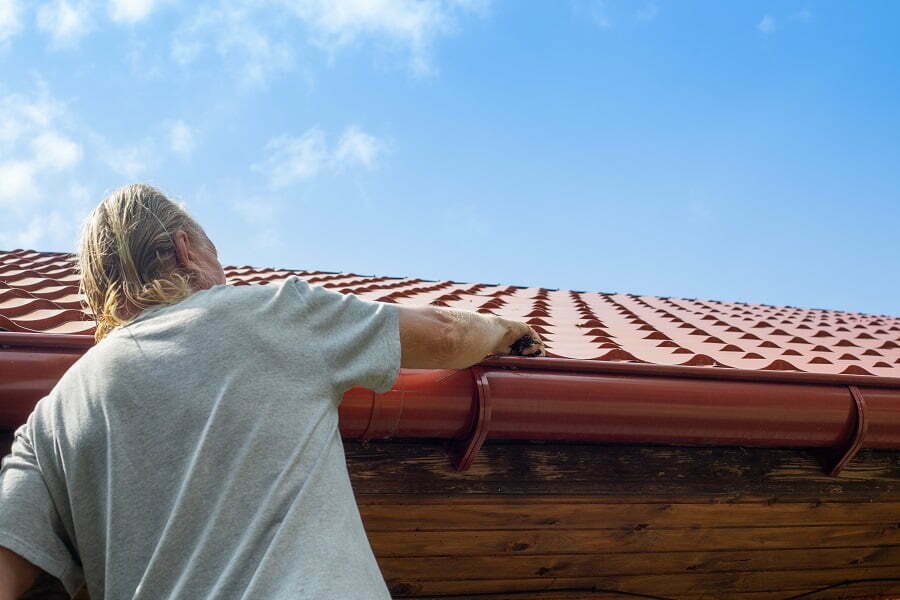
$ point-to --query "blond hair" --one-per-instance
(126, 255)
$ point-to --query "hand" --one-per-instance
(525, 341)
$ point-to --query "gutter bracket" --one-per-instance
(464, 450)
(844, 453)
(387, 408)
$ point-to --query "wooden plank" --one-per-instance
(546, 499)
(613, 473)
(612, 470)
(506, 513)
(721, 586)
(537, 541)
(591, 565)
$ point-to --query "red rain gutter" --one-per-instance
(562, 399)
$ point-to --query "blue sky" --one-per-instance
(730, 151)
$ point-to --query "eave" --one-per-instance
(519, 398)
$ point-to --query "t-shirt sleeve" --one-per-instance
(30, 524)
(358, 339)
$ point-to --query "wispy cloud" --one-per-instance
(10, 19)
(252, 34)
(409, 23)
(32, 145)
(357, 146)
(130, 160)
(18, 182)
(46, 152)
(767, 25)
(22, 115)
(131, 11)
(238, 34)
(290, 160)
(181, 138)
(261, 39)
(55, 152)
(66, 22)
(40, 152)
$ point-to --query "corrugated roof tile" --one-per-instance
(39, 293)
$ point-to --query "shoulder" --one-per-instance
(234, 293)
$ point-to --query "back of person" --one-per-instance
(195, 451)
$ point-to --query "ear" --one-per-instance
(184, 251)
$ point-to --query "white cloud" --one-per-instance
(23, 117)
(257, 40)
(767, 24)
(648, 12)
(237, 34)
(130, 11)
(358, 146)
(10, 19)
(55, 152)
(131, 161)
(412, 24)
(181, 138)
(42, 147)
(290, 160)
(66, 22)
(293, 159)
(18, 182)
(32, 148)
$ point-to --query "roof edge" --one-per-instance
(11, 339)
(574, 365)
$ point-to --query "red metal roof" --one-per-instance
(39, 293)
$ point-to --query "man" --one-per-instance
(194, 451)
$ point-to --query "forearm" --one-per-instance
(476, 335)
(16, 574)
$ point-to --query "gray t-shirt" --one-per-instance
(195, 451)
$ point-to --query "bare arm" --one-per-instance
(477, 335)
(16, 574)
(433, 337)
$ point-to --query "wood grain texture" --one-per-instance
(664, 473)
(571, 541)
(533, 520)
(676, 522)
(722, 585)
(549, 566)
(580, 512)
